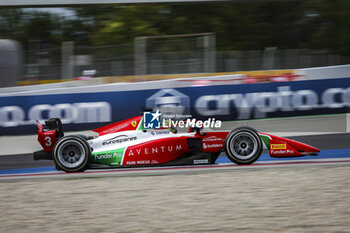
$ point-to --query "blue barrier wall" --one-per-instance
(83, 111)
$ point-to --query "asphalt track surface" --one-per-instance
(335, 151)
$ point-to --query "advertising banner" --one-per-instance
(85, 111)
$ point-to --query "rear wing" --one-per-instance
(40, 126)
(49, 133)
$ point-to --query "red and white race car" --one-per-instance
(127, 143)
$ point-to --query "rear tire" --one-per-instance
(243, 146)
(71, 154)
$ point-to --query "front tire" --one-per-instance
(243, 146)
(71, 154)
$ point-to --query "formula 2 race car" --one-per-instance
(127, 144)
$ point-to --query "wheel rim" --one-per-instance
(71, 154)
(244, 145)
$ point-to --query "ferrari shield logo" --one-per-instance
(134, 123)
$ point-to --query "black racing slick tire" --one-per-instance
(71, 154)
(243, 146)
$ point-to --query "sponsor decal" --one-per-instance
(282, 152)
(278, 146)
(154, 150)
(212, 139)
(107, 156)
(160, 132)
(200, 161)
(113, 157)
(143, 162)
(152, 120)
(205, 146)
(119, 139)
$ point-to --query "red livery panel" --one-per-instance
(47, 139)
(156, 152)
(128, 124)
(213, 142)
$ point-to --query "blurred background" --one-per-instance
(41, 44)
(279, 66)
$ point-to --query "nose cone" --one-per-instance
(303, 147)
